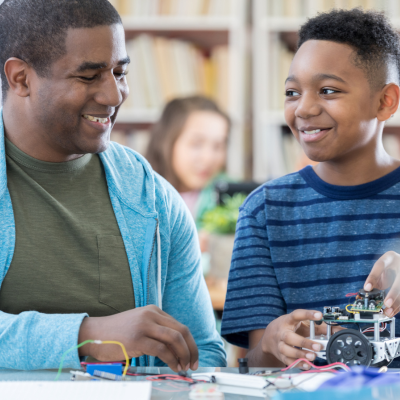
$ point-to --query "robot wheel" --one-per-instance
(349, 347)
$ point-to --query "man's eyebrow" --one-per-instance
(124, 61)
(88, 65)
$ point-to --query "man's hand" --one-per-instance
(145, 330)
(386, 273)
(284, 339)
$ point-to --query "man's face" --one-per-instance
(77, 104)
(330, 106)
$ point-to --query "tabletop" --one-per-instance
(160, 390)
(174, 390)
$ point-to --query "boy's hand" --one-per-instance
(284, 338)
(386, 273)
(145, 330)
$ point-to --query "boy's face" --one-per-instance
(330, 106)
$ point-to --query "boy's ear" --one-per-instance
(388, 102)
(16, 71)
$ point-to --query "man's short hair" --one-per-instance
(35, 30)
(376, 43)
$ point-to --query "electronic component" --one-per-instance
(368, 302)
(114, 369)
(243, 366)
(352, 347)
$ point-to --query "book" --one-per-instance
(304, 8)
(150, 8)
(164, 68)
(279, 72)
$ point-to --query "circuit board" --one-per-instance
(346, 321)
(377, 308)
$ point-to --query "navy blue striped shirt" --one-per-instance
(303, 243)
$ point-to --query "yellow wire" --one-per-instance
(125, 354)
(353, 312)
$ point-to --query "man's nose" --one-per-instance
(110, 92)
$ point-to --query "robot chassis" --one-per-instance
(350, 346)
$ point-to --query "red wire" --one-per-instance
(170, 377)
(101, 363)
(351, 294)
(318, 371)
(314, 366)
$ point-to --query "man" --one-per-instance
(93, 243)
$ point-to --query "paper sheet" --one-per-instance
(98, 390)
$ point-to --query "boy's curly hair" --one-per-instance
(376, 43)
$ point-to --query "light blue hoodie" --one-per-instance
(151, 217)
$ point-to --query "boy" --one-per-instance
(305, 240)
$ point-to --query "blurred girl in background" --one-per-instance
(188, 147)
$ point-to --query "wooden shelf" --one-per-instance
(205, 32)
(180, 23)
(144, 116)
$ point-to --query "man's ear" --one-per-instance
(16, 71)
(388, 102)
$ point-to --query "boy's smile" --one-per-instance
(330, 106)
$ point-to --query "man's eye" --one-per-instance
(328, 91)
(291, 93)
(121, 74)
(88, 78)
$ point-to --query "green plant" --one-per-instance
(222, 219)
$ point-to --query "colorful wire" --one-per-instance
(352, 312)
(63, 356)
(123, 350)
(336, 364)
(95, 342)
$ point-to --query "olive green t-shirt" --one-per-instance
(69, 254)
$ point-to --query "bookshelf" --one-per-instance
(275, 23)
(203, 46)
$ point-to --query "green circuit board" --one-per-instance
(376, 310)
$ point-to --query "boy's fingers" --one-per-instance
(337, 329)
(374, 278)
(392, 299)
(290, 354)
(292, 339)
(305, 315)
(391, 312)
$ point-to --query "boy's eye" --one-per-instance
(328, 91)
(291, 93)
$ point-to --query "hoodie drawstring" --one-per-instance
(159, 267)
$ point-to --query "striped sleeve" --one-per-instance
(254, 298)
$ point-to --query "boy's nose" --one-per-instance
(307, 107)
